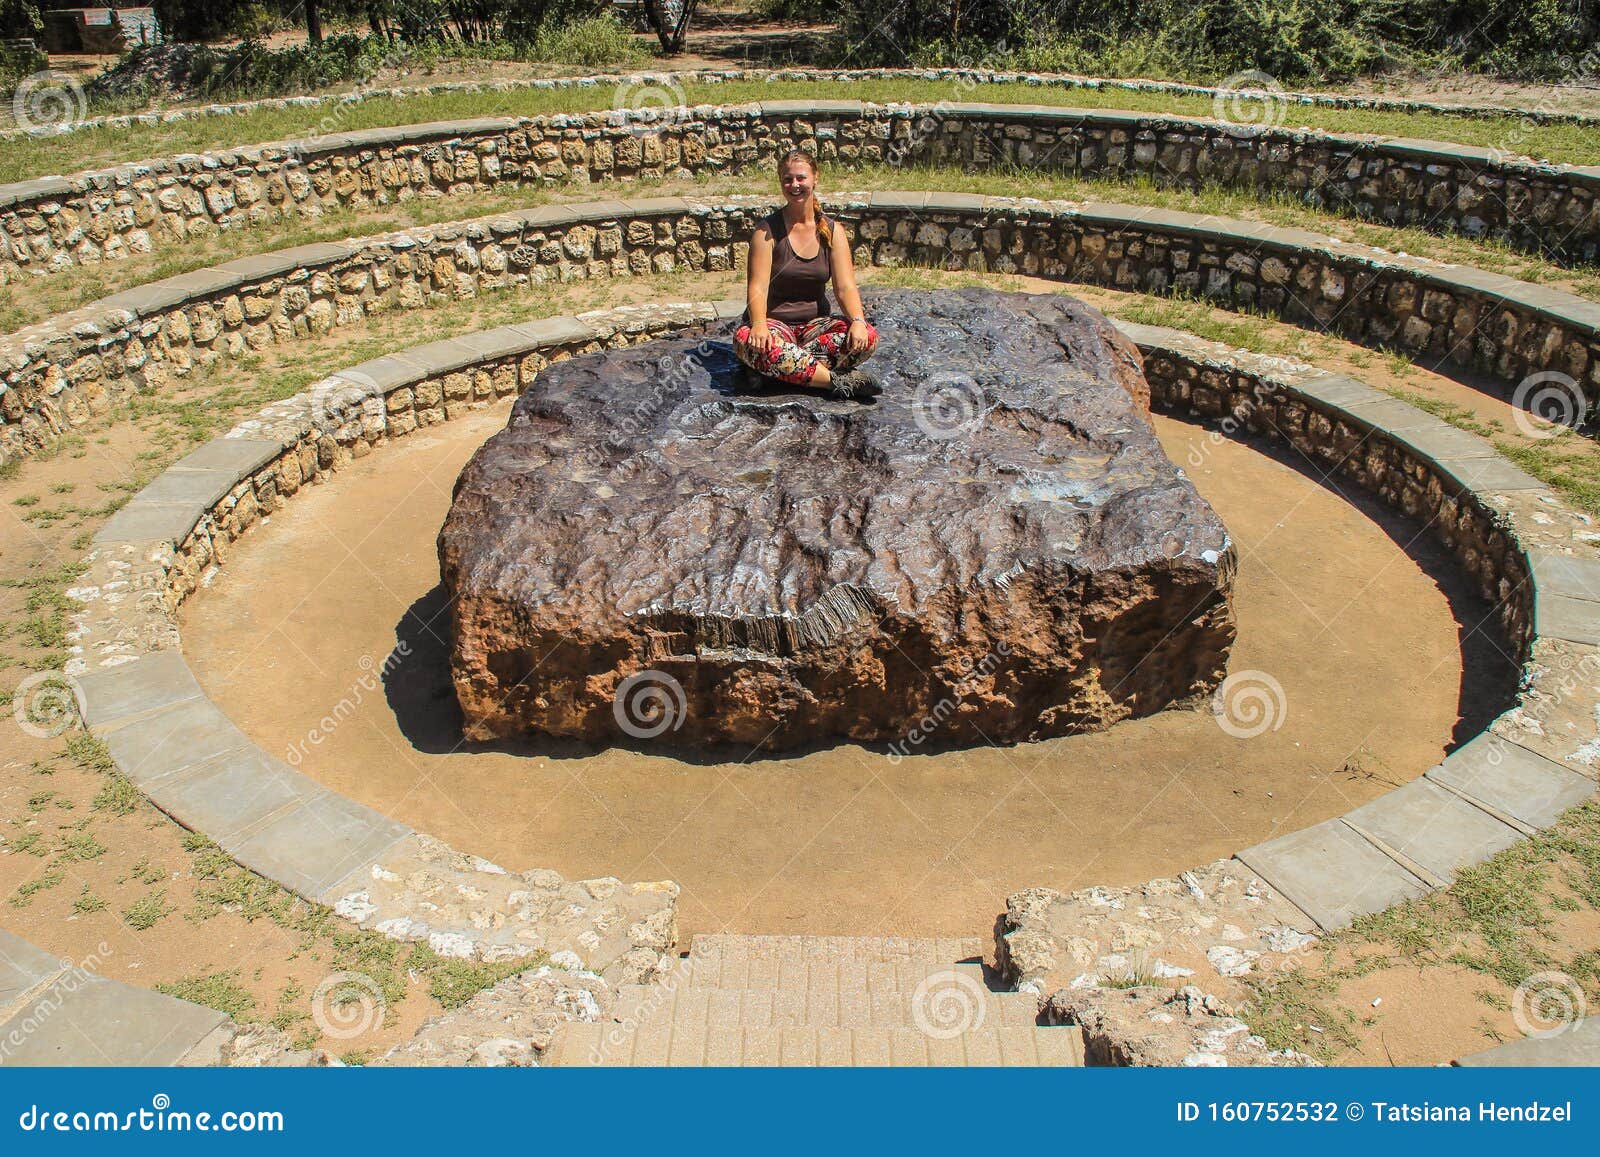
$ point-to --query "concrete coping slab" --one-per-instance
(1564, 617)
(133, 690)
(23, 967)
(1573, 578)
(99, 1022)
(241, 456)
(144, 521)
(1432, 828)
(159, 744)
(1332, 873)
(1507, 778)
(311, 846)
(1577, 1046)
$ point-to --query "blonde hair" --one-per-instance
(800, 156)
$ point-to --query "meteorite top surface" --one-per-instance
(648, 499)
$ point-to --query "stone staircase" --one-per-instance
(820, 1000)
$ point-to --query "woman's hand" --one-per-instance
(856, 340)
(761, 337)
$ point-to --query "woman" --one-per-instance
(788, 332)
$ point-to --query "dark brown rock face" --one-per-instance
(997, 549)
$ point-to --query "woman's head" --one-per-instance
(797, 177)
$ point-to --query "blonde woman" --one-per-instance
(788, 331)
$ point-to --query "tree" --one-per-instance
(670, 19)
(313, 22)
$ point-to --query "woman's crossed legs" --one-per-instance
(797, 351)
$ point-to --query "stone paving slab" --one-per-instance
(311, 846)
(555, 331)
(1433, 828)
(140, 521)
(158, 745)
(1574, 578)
(239, 456)
(102, 1022)
(1331, 873)
(201, 489)
(1513, 780)
(389, 372)
(261, 266)
(717, 1008)
(1391, 414)
(1563, 617)
(150, 683)
(1577, 1047)
(1439, 441)
(22, 966)
(231, 795)
(1488, 475)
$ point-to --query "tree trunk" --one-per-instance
(313, 22)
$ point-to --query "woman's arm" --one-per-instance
(844, 285)
(758, 277)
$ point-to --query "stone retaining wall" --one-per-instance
(60, 374)
(56, 223)
(1529, 554)
(958, 78)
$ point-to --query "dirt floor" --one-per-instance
(842, 840)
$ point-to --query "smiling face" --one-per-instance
(798, 180)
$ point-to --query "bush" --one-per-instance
(598, 42)
(1207, 39)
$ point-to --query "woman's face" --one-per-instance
(798, 181)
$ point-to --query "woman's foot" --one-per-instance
(856, 384)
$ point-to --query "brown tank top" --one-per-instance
(797, 292)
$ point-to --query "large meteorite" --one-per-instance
(997, 549)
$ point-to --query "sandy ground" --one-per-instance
(1364, 640)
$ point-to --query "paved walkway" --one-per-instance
(815, 1000)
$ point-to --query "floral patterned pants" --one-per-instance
(797, 351)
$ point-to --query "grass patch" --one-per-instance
(147, 911)
(88, 903)
(44, 881)
(218, 990)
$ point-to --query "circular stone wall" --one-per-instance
(322, 639)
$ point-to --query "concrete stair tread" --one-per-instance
(821, 1007)
(799, 973)
(863, 948)
(601, 1044)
